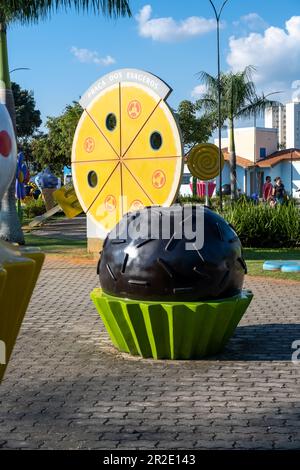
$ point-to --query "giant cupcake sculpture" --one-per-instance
(162, 300)
(171, 277)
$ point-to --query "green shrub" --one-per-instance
(264, 226)
(190, 200)
(258, 225)
(213, 201)
(34, 208)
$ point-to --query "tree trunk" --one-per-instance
(10, 227)
(195, 193)
(232, 157)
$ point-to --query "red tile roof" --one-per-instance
(277, 157)
(241, 161)
(271, 160)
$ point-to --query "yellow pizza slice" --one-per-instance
(106, 210)
(159, 137)
(134, 196)
(137, 105)
(89, 179)
(159, 177)
(90, 144)
(105, 113)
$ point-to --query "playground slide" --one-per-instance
(66, 201)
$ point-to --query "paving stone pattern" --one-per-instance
(67, 388)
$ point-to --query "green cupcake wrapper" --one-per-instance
(170, 330)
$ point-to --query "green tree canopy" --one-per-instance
(196, 127)
(54, 148)
(28, 118)
(27, 11)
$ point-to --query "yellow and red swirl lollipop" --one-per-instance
(203, 161)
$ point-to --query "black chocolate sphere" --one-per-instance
(162, 269)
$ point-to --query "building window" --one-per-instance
(262, 152)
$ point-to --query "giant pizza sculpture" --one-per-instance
(19, 268)
(127, 150)
(157, 299)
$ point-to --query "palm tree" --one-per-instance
(239, 99)
(31, 11)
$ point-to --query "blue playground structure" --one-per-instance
(285, 266)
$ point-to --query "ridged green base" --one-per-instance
(170, 330)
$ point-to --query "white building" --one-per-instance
(293, 125)
(251, 176)
(275, 118)
(253, 143)
(257, 156)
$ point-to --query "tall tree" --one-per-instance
(31, 11)
(196, 126)
(28, 118)
(54, 148)
(239, 99)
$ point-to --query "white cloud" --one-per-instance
(87, 56)
(253, 21)
(199, 90)
(169, 30)
(275, 53)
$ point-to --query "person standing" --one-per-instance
(267, 189)
(278, 190)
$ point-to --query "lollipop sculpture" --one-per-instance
(203, 163)
(19, 268)
(172, 293)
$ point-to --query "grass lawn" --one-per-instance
(255, 257)
(58, 246)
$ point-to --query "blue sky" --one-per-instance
(172, 39)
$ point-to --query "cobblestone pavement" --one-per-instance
(67, 388)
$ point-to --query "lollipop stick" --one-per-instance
(206, 193)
